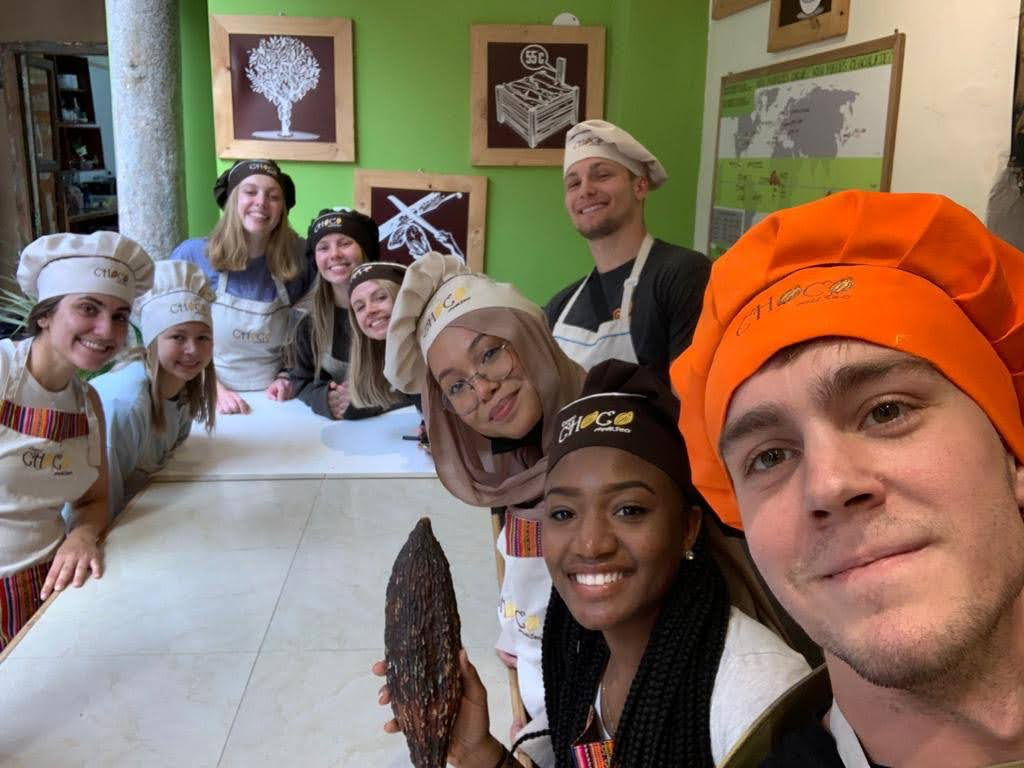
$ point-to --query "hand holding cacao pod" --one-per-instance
(421, 645)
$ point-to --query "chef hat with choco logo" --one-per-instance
(180, 294)
(625, 406)
(916, 273)
(599, 138)
(102, 262)
(438, 289)
(345, 221)
(243, 169)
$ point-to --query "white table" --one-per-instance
(289, 440)
(237, 620)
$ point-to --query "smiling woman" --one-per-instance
(259, 269)
(51, 424)
(492, 379)
(152, 400)
(341, 340)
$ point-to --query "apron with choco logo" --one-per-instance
(48, 457)
(525, 591)
(248, 337)
(612, 339)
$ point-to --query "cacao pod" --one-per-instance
(421, 646)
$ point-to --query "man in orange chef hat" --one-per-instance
(852, 399)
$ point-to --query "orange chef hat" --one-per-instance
(913, 272)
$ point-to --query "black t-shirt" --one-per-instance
(666, 302)
(808, 747)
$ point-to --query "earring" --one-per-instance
(688, 554)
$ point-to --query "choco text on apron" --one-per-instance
(612, 339)
(524, 601)
(248, 337)
(47, 457)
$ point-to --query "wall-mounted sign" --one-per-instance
(282, 87)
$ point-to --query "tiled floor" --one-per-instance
(236, 625)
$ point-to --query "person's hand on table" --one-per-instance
(471, 743)
(76, 558)
(338, 398)
(229, 401)
(280, 389)
(424, 442)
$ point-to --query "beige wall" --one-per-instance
(78, 21)
(954, 118)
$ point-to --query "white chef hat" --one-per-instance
(103, 262)
(437, 289)
(180, 294)
(599, 138)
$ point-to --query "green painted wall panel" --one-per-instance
(412, 112)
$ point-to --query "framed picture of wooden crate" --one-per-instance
(798, 22)
(528, 86)
(282, 87)
(722, 8)
(422, 212)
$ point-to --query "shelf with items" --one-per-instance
(76, 218)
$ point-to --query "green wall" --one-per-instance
(412, 112)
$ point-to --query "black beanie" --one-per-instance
(243, 169)
(344, 221)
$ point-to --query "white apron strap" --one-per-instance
(847, 743)
(634, 276)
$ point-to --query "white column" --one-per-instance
(145, 81)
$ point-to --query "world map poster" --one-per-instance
(798, 131)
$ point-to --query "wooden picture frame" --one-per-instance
(253, 118)
(799, 22)
(722, 8)
(765, 160)
(401, 202)
(528, 86)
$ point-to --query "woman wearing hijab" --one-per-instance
(152, 400)
(51, 423)
(492, 380)
(257, 266)
(645, 661)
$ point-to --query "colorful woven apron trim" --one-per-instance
(597, 754)
(522, 537)
(19, 599)
(46, 423)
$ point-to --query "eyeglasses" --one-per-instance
(495, 365)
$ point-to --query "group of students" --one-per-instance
(214, 320)
(849, 409)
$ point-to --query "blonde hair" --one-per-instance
(200, 394)
(227, 250)
(321, 316)
(367, 384)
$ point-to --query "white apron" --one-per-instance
(523, 603)
(611, 340)
(48, 457)
(525, 592)
(248, 336)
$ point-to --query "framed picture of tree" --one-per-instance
(422, 212)
(282, 87)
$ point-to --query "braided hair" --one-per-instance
(666, 716)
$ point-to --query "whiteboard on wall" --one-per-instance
(799, 130)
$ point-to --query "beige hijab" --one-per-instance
(465, 463)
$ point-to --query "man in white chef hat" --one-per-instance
(641, 301)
